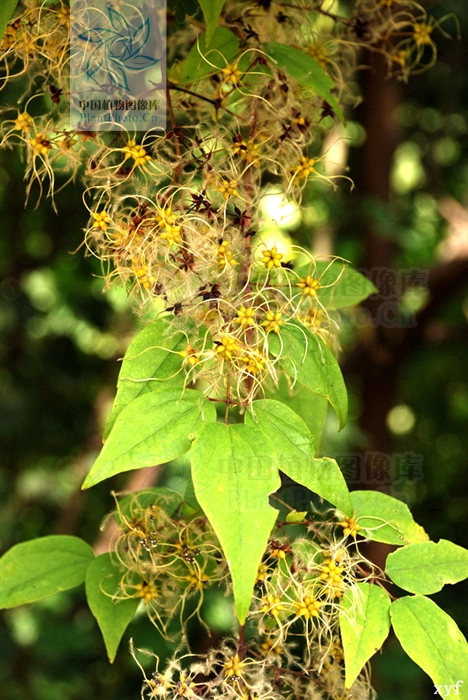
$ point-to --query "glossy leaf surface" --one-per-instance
(364, 626)
(234, 471)
(151, 362)
(432, 639)
(294, 446)
(307, 359)
(311, 407)
(153, 429)
(425, 567)
(39, 568)
(385, 519)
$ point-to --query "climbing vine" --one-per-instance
(238, 363)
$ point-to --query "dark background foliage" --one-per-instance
(407, 376)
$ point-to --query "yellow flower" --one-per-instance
(273, 321)
(278, 553)
(101, 219)
(228, 189)
(23, 121)
(308, 607)
(271, 257)
(63, 15)
(246, 149)
(331, 572)
(184, 689)
(313, 318)
(421, 34)
(190, 355)
(172, 235)
(67, 143)
(147, 591)
(140, 268)
(159, 684)
(270, 646)
(305, 167)
(41, 145)
(262, 573)
(137, 152)
(332, 577)
(197, 580)
(350, 526)
(232, 73)
(401, 56)
(225, 256)
(319, 53)
(245, 316)
(233, 667)
(9, 39)
(254, 362)
(309, 286)
(271, 605)
(227, 347)
(165, 217)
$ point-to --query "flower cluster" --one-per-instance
(167, 557)
(292, 648)
(176, 218)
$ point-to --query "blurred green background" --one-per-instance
(406, 223)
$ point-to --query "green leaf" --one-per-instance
(432, 640)
(425, 567)
(151, 362)
(234, 471)
(40, 568)
(293, 443)
(311, 407)
(364, 625)
(203, 60)
(306, 358)
(287, 431)
(324, 477)
(295, 516)
(385, 519)
(341, 285)
(112, 615)
(306, 71)
(7, 8)
(153, 429)
(211, 11)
